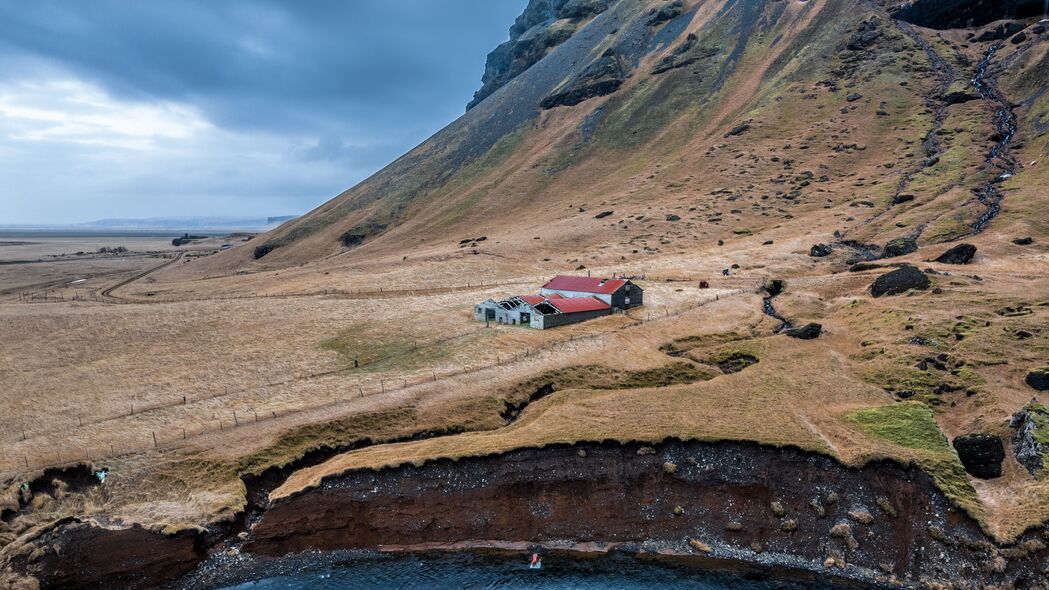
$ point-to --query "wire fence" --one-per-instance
(48, 454)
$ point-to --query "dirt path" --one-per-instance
(107, 293)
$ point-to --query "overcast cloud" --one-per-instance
(233, 108)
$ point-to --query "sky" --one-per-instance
(132, 109)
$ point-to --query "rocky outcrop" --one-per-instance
(1000, 32)
(1038, 378)
(899, 281)
(545, 24)
(681, 56)
(820, 250)
(957, 14)
(1031, 436)
(604, 76)
(809, 331)
(899, 247)
(960, 254)
(733, 501)
(666, 12)
(981, 454)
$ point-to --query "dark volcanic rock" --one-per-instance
(806, 332)
(1024, 241)
(901, 199)
(545, 24)
(957, 14)
(960, 254)
(820, 250)
(1038, 379)
(959, 97)
(667, 12)
(1018, 38)
(899, 281)
(854, 97)
(683, 55)
(899, 247)
(583, 8)
(864, 37)
(603, 214)
(603, 76)
(737, 130)
(1032, 426)
(1000, 32)
(981, 454)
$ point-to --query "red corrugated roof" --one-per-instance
(531, 299)
(585, 284)
(577, 304)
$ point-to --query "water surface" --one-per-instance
(441, 572)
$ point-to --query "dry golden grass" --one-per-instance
(280, 341)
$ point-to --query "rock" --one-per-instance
(667, 12)
(1038, 379)
(1031, 425)
(820, 250)
(899, 247)
(1000, 32)
(583, 8)
(603, 214)
(959, 97)
(981, 454)
(862, 516)
(960, 254)
(1018, 38)
(683, 55)
(900, 281)
(778, 509)
(602, 77)
(854, 97)
(1024, 241)
(673, 217)
(864, 37)
(807, 332)
(738, 130)
(789, 526)
(901, 199)
(700, 546)
(542, 26)
(1038, 29)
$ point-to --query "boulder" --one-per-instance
(1018, 38)
(901, 199)
(820, 250)
(900, 281)
(604, 76)
(899, 247)
(1024, 241)
(1000, 32)
(959, 97)
(981, 454)
(960, 254)
(809, 331)
(854, 97)
(1030, 425)
(582, 8)
(864, 37)
(1038, 379)
(667, 12)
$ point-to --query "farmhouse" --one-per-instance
(563, 300)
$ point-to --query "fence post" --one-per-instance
(235, 421)
(154, 440)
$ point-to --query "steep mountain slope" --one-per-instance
(869, 173)
(731, 115)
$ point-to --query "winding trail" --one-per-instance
(107, 293)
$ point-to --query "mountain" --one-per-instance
(732, 115)
(179, 223)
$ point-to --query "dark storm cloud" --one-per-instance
(354, 83)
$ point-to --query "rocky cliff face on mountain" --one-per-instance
(838, 211)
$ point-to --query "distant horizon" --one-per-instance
(115, 109)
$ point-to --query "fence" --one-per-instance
(174, 436)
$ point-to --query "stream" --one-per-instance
(1005, 124)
